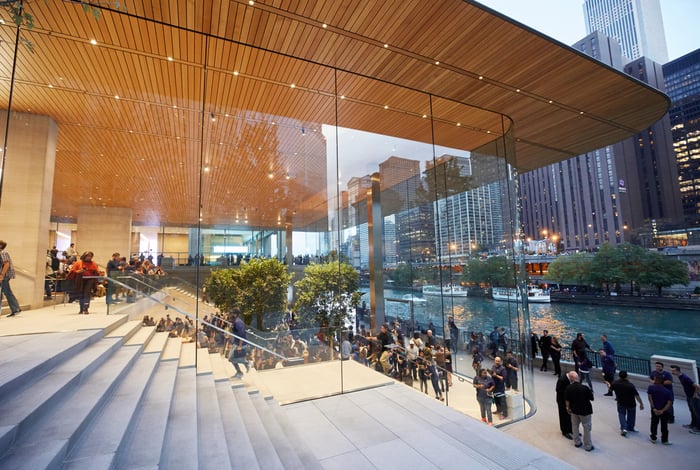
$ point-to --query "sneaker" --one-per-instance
(490, 423)
(688, 426)
(623, 433)
(694, 431)
(483, 419)
(592, 448)
(632, 430)
(579, 444)
(652, 439)
(666, 443)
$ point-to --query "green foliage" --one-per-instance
(662, 271)
(326, 294)
(258, 287)
(572, 269)
(403, 275)
(496, 271)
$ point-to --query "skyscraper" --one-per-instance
(636, 24)
(607, 195)
(682, 77)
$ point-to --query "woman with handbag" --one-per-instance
(84, 272)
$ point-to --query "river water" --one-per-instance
(635, 332)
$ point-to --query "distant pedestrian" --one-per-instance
(493, 342)
(660, 402)
(7, 272)
(607, 347)
(579, 346)
(511, 364)
(545, 349)
(667, 382)
(534, 342)
(498, 373)
(238, 349)
(608, 366)
(579, 406)
(626, 394)
(555, 352)
(584, 370)
(692, 395)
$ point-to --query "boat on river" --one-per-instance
(448, 290)
(535, 295)
(415, 300)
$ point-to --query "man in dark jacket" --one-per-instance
(579, 406)
(626, 394)
(564, 418)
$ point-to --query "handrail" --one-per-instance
(190, 316)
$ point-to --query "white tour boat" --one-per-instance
(535, 295)
(447, 290)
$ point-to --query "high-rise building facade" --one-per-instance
(636, 24)
(682, 78)
(610, 194)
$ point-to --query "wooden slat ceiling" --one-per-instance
(206, 85)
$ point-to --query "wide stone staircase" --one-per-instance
(128, 397)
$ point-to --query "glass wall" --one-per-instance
(223, 152)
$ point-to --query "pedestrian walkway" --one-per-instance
(632, 452)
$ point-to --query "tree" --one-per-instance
(606, 267)
(403, 275)
(258, 287)
(661, 271)
(496, 271)
(327, 293)
(572, 269)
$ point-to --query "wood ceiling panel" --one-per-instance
(152, 150)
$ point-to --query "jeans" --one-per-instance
(694, 407)
(655, 419)
(586, 421)
(6, 290)
(485, 406)
(627, 417)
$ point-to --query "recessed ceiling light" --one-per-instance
(550, 101)
(50, 85)
(293, 85)
(93, 42)
(386, 46)
(386, 106)
(170, 59)
(251, 2)
(459, 124)
(437, 62)
(235, 72)
(517, 90)
(325, 25)
(342, 97)
(425, 116)
(581, 112)
(116, 97)
(481, 77)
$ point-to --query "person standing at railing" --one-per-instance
(498, 373)
(511, 365)
(545, 348)
(85, 272)
(7, 272)
(112, 271)
(579, 346)
(608, 366)
(555, 352)
(692, 395)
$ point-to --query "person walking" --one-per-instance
(7, 272)
(660, 402)
(692, 395)
(580, 408)
(626, 394)
(608, 365)
(238, 350)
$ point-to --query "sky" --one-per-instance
(563, 20)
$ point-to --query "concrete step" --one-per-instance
(47, 442)
(126, 330)
(106, 432)
(305, 456)
(188, 353)
(26, 357)
(262, 445)
(143, 443)
(157, 344)
(142, 336)
(180, 443)
(240, 449)
(211, 440)
(203, 361)
(283, 447)
(172, 350)
(21, 410)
